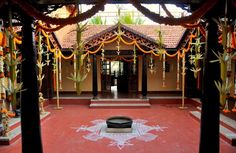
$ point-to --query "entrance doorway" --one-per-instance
(119, 77)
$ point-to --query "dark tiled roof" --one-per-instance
(171, 34)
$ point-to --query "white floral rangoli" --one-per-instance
(140, 131)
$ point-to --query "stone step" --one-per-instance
(226, 121)
(226, 134)
(13, 135)
(14, 123)
(119, 103)
(70, 101)
(15, 130)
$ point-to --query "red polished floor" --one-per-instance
(59, 133)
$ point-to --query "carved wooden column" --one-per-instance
(209, 136)
(95, 80)
(30, 116)
(144, 76)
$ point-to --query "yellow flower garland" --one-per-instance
(17, 40)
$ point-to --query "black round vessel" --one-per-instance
(119, 122)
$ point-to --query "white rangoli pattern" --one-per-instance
(140, 131)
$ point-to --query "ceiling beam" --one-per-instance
(49, 2)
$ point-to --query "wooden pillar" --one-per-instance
(191, 82)
(47, 86)
(209, 135)
(50, 89)
(144, 76)
(30, 116)
(95, 80)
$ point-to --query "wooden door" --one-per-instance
(127, 78)
(122, 80)
(132, 78)
(106, 76)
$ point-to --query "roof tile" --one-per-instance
(171, 34)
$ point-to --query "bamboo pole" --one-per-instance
(164, 71)
(59, 73)
(58, 107)
(183, 82)
(13, 74)
(74, 69)
(177, 80)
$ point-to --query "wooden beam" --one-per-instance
(116, 1)
(95, 79)
(144, 76)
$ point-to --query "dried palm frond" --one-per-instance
(223, 89)
(13, 87)
(77, 77)
(12, 62)
(195, 71)
(223, 58)
(194, 59)
(161, 52)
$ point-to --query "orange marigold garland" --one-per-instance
(2, 45)
(231, 36)
(6, 115)
(226, 108)
(234, 108)
(233, 40)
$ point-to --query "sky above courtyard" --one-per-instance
(111, 11)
